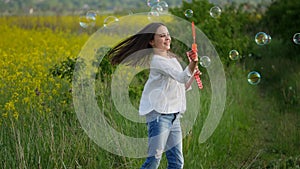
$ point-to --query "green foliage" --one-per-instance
(236, 28)
(281, 22)
(278, 62)
(226, 32)
(64, 69)
(282, 19)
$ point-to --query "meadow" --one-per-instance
(40, 129)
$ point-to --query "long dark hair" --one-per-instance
(136, 46)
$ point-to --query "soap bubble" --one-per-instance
(296, 38)
(268, 39)
(205, 61)
(254, 78)
(157, 8)
(150, 3)
(215, 12)
(83, 22)
(88, 20)
(261, 38)
(234, 55)
(110, 21)
(188, 13)
(165, 6)
(91, 15)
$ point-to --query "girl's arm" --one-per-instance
(188, 84)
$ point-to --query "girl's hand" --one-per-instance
(192, 55)
(197, 71)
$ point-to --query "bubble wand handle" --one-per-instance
(194, 48)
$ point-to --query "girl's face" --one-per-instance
(162, 39)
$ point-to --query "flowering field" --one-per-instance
(26, 57)
(29, 94)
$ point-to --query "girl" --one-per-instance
(163, 98)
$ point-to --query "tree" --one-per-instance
(282, 18)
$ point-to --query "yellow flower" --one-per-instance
(10, 106)
(48, 110)
(26, 100)
(64, 102)
(258, 16)
(58, 85)
(54, 91)
(16, 115)
(4, 115)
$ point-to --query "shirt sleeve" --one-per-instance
(171, 69)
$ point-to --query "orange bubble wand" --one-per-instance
(194, 48)
(194, 45)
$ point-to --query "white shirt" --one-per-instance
(164, 90)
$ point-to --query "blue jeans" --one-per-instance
(164, 135)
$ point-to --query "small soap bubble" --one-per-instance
(205, 61)
(296, 38)
(215, 12)
(110, 21)
(254, 78)
(261, 38)
(188, 13)
(268, 39)
(165, 6)
(157, 8)
(88, 20)
(91, 15)
(83, 22)
(234, 55)
(150, 3)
